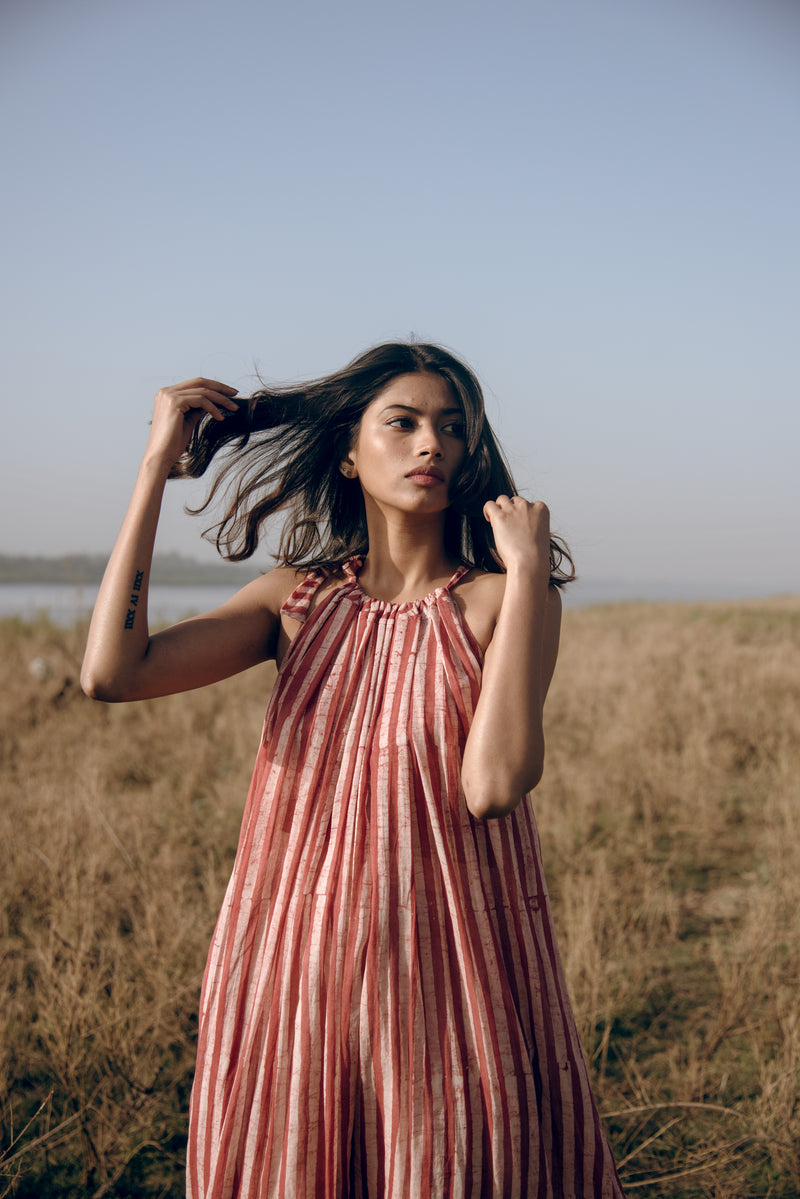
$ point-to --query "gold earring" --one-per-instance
(348, 470)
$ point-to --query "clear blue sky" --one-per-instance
(595, 202)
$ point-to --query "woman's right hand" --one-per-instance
(178, 410)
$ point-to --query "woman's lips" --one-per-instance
(428, 476)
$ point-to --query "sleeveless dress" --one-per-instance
(383, 1010)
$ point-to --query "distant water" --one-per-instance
(66, 603)
(590, 592)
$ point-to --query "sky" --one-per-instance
(593, 202)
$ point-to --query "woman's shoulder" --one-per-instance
(272, 589)
(489, 585)
(479, 595)
(278, 586)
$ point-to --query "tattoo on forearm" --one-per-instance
(130, 615)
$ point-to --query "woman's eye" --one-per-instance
(453, 428)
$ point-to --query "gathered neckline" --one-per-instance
(353, 565)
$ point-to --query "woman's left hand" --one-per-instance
(521, 531)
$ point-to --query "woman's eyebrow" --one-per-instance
(418, 411)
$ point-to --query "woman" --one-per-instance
(383, 1009)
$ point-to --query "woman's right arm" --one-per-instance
(123, 661)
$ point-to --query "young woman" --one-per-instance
(383, 1010)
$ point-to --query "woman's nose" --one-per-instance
(429, 442)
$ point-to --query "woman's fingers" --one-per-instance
(178, 408)
(212, 384)
(520, 528)
(208, 394)
(205, 395)
(524, 509)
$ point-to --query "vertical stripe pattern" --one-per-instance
(383, 1010)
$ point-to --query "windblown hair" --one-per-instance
(282, 449)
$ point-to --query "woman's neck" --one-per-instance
(407, 557)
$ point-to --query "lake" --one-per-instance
(66, 603)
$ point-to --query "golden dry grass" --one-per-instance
(670, 820)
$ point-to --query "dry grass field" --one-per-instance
(670, 819)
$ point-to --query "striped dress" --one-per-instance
(383, 1010)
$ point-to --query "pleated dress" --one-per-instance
(383, 1010)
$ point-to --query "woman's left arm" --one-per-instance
(504, 754)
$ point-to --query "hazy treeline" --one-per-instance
(168, 569)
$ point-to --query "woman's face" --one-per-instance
(410, 444)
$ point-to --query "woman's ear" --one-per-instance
(348, 468)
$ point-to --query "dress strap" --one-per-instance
(457, 577)
(297, 604)
(351, 568)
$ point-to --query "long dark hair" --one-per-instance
(282, 449)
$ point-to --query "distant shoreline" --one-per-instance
(169, 570)
(175, 570)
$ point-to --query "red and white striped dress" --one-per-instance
(383, 1010)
